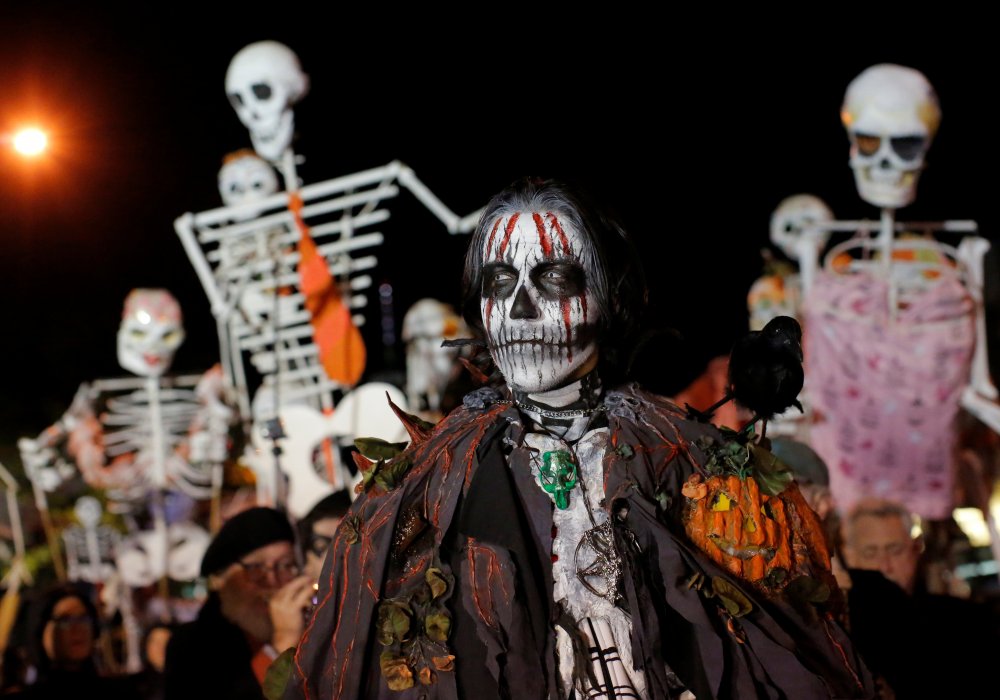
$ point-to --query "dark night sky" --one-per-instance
(693, 157)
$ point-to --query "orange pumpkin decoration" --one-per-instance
(765, 540)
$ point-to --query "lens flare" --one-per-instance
(30, 142)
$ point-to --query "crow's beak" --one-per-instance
(796, 349)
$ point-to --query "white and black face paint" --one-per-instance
(539, 311)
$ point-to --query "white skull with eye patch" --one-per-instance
(150, 332)
(263, 82)
(891, 114)
(539, 312)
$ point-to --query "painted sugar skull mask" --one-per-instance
(538, 306)
(891, 114)
(150, 332)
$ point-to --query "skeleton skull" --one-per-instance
(88, 511)
(538, 310)
(245, 177)
(150, 332)
(891, 114)
(792, 220)
(429, 366)
(263, 81)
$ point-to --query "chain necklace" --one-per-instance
(546, 413)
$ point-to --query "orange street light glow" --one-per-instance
(30, 142)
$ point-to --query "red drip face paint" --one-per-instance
(538, 334)
(493, 233)
(487, 314)
(543, 235)
(506, 234)
(564, 304)
(557, 227)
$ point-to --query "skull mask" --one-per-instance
(538, 310)
(793, 218)
(263, 81)
(244, 178)
(150, 332)
(891, 113)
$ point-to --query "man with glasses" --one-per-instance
(926, 645)
(253, 612)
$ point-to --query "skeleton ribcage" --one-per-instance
(241, 265)
(90, 555)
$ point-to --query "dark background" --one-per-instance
(694, 145)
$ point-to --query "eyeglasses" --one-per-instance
(68, 621)
(283, 571)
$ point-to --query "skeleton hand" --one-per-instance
(81, 407)
(39, 464)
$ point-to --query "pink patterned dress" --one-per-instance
(885, 391)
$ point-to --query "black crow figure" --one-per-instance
(765, 371)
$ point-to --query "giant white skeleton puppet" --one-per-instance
(136, 441)
(894, 321)
(287, 275)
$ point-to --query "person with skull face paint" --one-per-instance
(532, 544)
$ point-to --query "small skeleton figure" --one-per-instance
(246, 178)
(429, 366)
(778, 292)
(90, 546)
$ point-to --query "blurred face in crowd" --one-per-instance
(246, 586)
(68, 637)
(883, 543)
(318, 545)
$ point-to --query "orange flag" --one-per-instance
(341, 348)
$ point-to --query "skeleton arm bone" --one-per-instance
(986, 410)
(184, 225)
(971, 252)
(409, 180)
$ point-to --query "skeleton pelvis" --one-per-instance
(310, 449)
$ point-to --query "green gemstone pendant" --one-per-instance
(558, 476)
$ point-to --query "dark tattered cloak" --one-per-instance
(439, 581)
